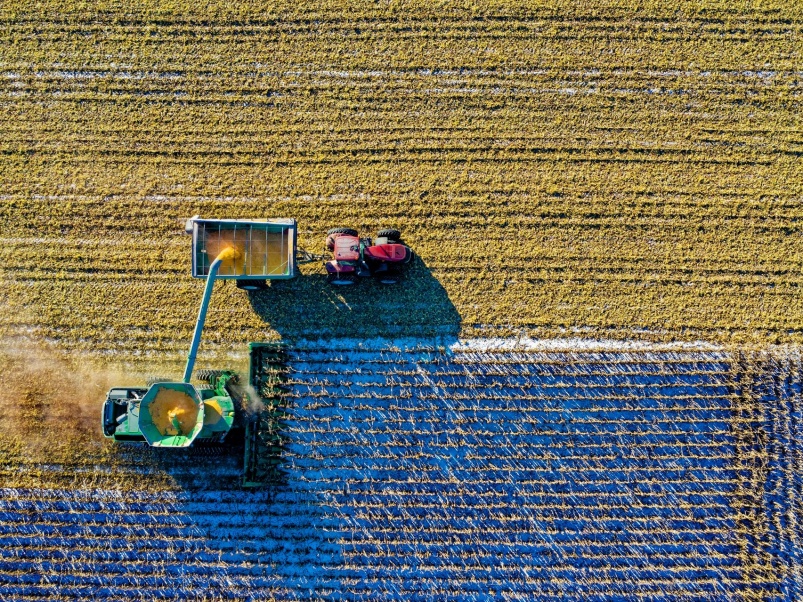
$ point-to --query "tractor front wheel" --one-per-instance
(393, 235)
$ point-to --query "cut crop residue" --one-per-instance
(173, 412)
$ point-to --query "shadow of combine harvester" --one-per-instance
(308, 309)
(416, 310)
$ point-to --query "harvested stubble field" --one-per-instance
(473, 473)
(561, 170)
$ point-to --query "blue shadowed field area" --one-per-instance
(473, 475)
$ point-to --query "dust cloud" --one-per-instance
(48, 396)
(252, 403)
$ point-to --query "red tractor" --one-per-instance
(356, 257)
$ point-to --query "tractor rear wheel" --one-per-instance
(346, 231)
(334, 233)
(393, 235)
(342, 279)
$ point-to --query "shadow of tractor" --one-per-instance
(308, 307)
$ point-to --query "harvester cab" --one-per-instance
(178, 413)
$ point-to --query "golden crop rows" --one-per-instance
(558, 168)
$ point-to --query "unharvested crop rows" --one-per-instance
(589, 475)
(554, 167)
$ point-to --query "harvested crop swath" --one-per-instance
(412, 472)
(554, 166)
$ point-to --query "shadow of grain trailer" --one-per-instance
(177, 413)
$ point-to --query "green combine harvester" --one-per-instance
(178, 414)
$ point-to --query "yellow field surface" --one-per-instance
(558, 168)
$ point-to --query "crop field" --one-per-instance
(588, 385)
(473, 473)
(557, 167)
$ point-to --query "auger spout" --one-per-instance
(227, 253)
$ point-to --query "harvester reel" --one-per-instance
(209, 375)
(264, 429)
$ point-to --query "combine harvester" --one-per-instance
(176, 414)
